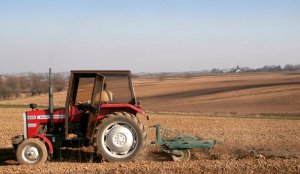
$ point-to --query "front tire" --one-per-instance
(119, 137)
(32, 151)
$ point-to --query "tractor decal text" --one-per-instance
(32, 125)
(42, 117)
(31, 117)
(45, 117)
(59, 116)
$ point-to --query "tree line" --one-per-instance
(266, 68)
(13, 86)
(31, 84)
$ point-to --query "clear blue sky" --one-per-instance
(147, 36)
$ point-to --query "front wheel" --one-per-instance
(32, 151)
(119, 137)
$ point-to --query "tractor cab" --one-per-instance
(87, 92)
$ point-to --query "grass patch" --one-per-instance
(13, 106)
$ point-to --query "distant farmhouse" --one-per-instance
(3, 77)
(238, 69)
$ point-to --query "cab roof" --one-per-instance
(102, 72)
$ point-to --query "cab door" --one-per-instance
(95, 106)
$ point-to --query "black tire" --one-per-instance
(16, 140)
(119, 137)
(31, 152)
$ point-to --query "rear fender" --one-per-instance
(129, 107)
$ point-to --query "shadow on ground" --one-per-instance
(76, 155)
(8, 156)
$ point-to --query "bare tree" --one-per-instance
(59, 82)
(5, 92)
(13, 86)
(38, 84)
(289, 67)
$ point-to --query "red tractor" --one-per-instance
(101, 110)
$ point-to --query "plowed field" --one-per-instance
(230, 93)
(256, 117)
(248, 146)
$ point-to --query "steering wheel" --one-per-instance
(84, 106)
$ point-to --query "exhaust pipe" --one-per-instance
(51, 104)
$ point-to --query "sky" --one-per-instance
(147, 35)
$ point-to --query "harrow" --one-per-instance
(180, 145)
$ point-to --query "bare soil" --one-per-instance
(249, 145)
(232, 93)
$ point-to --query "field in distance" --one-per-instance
(225, 93)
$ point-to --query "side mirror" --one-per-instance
(138, 102)
(33, 106)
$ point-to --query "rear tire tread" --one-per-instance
(114, 116)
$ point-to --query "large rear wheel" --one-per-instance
(119, 137)
(32, 151)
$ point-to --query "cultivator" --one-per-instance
(180, 145)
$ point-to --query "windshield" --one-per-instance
(85, 89)
(116, 88)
